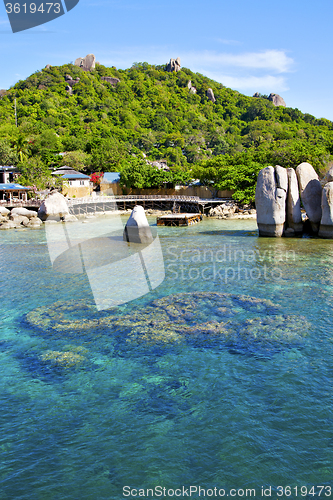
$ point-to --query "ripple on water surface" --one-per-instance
(212, 382)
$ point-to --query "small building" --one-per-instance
(75, 184)
(13, 192)
(8, 174)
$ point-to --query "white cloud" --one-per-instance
(265, 83)
(275, 60)
(263, 71)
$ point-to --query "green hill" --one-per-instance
(111, 126)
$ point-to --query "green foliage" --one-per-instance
(78, 160)
(137, 173)
(151, 111)
(7, 155)
(33, 172)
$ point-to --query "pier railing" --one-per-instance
(158, 197)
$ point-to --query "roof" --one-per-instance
(76, 175)
(13, 187)
(64, 170)
(4, 168)
(110, 177)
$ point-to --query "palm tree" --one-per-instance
(21, 147)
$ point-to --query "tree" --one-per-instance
(21, 147)
(7, 155)
(34, 172)
(78, 160)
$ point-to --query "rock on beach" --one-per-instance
(53, 207)
(271, 191)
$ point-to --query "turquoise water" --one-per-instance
(138, 402)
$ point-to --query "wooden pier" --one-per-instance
(178, 219)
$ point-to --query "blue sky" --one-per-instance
(250, 46)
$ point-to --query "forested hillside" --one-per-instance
(110, 126)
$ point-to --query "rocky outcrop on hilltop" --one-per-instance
(174, 65)
(277, 100)
(210, 95)
(87, 63)
(192, 90)
(70, 81)
(109, 79)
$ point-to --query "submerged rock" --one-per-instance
(203, 319)
(65, 359)
(69, 317)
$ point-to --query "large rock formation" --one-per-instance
(174, 65)
(87, 62)
(311, 191)
(70, 82)
(53, 207)
(192, 90)
(137, 229)
(109, 79)
(210, 95)
(24, 212)
(326, 223)
(276, 99)
(4, 211)
(271, 191)
(294, 225)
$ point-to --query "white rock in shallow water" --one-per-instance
(271, 191)
(9, 225)
(23, 211)
(34, 221)
(4, 211)
(326, 223)
(18, 219)
(311, 191)
(70, 218)
(53, 207)
(137, 229)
